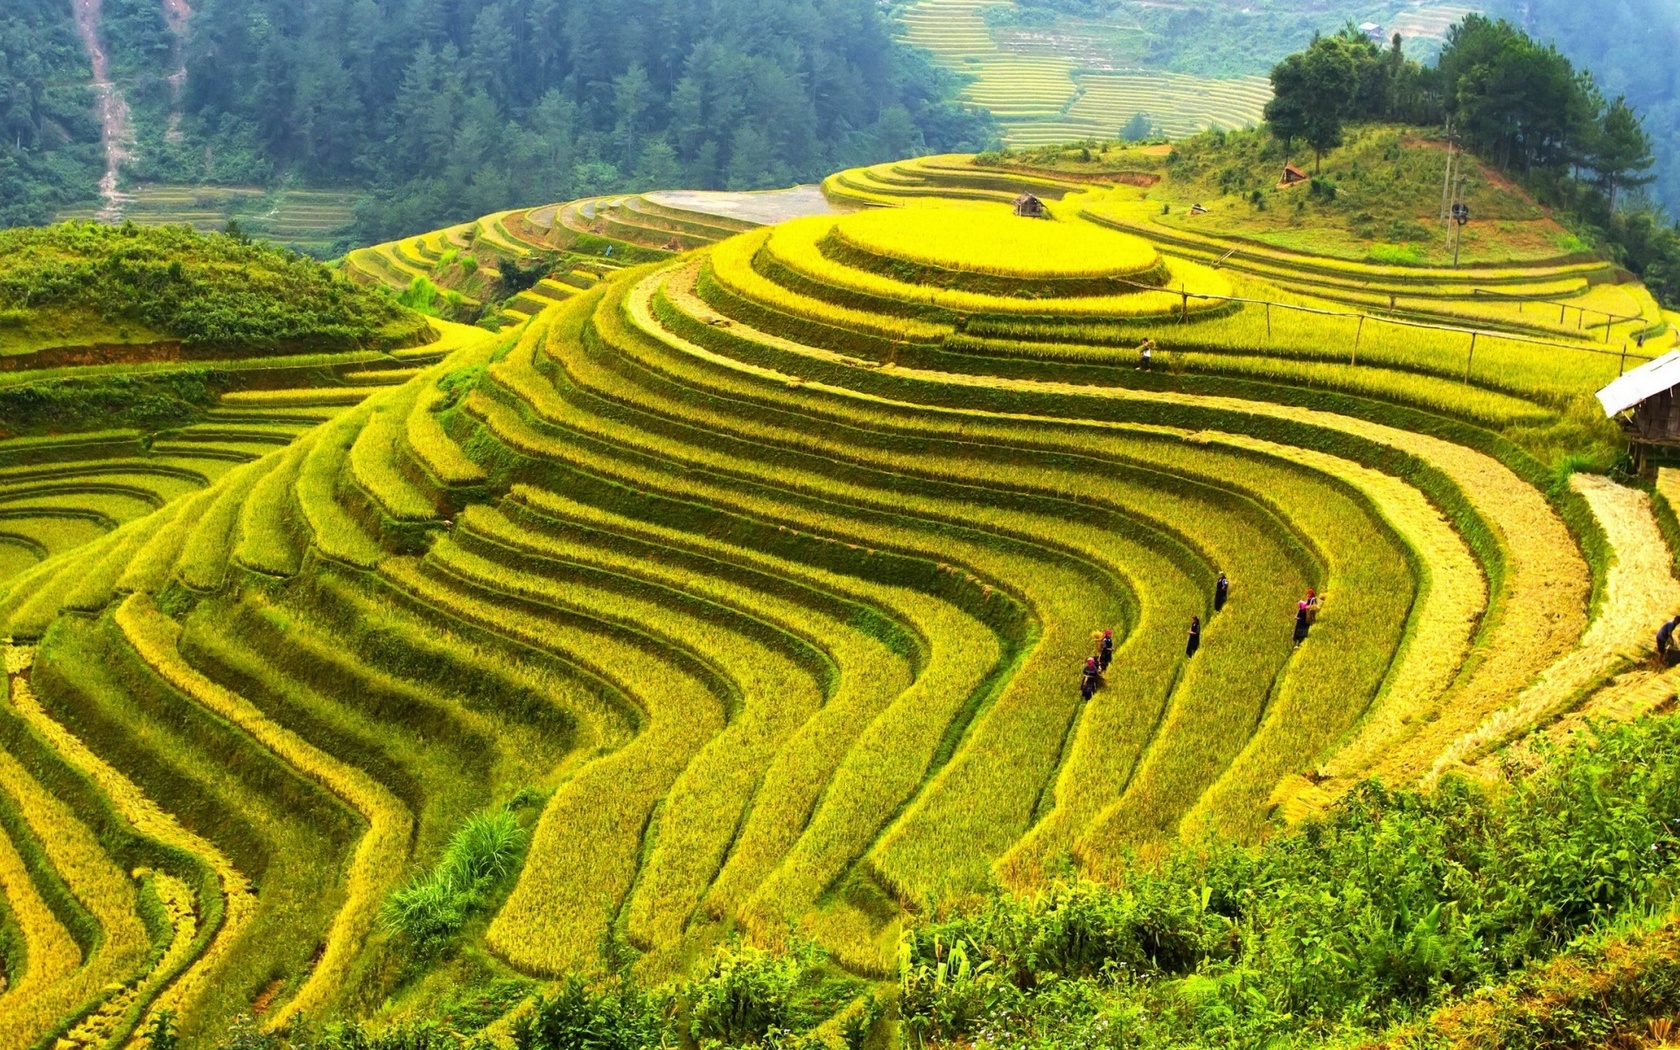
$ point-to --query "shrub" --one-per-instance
(580, 1018)
(433, 907)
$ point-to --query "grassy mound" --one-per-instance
(79, 284)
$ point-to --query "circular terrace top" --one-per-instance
(996, 244)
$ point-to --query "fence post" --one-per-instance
(1472, 357)
(1623, 370)
(1563, 308)
(1268, 322)
(1185, 317)
(1357, 332)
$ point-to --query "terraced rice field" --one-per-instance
(1046, 98)
(58, 494)
(307, 220)
(772, 567)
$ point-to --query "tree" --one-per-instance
(1621, 151)
(1315, 91)
(1138, 128)
(658, 167)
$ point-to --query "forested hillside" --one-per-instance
(449, 107)
(1629, 47)
(49, 141)
(440, 108)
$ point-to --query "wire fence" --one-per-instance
(1361, 318)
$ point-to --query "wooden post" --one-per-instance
(1562, 309)
(1357, 332)
(1472, 357)
(1623, 370)
(1185, 319)
(1268, 322)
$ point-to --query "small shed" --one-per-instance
(1373, 32)
(1644, 401)
(1029, 207)
(1293, 176)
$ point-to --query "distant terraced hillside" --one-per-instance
(1048, 94)
(746, 586)
(310, 221)
(554, 251)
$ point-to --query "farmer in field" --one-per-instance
(1195, 640)
(1301, 623)
(1667, 651)
(1221, 592)
(1314, 603)
(1088, 683)
(1146, 354)
(1105, 651)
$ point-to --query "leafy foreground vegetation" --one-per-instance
(1366, 921)
(219, 293)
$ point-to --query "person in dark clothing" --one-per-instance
(1195, 641)
(1667, 651)
(1105, 651)
(1088, 683)
(1301, 623)
(1221, 591)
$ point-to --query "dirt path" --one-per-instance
(115, 129)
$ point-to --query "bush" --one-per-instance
(433, 907)
(578, 1018)
(1391, 904)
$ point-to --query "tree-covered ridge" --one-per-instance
(222, 291)
(1517, 103)
(453, 108)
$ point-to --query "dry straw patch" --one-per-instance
(1641, 591)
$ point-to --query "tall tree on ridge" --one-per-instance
(1621, 151)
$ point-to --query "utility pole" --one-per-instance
(1458, 217)
(1446, 183)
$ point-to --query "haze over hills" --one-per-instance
(434, 109)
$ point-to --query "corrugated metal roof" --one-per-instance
(1645, 381)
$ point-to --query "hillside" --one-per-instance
(140, 366)
(718, 623)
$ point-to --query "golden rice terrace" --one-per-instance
(761, 574)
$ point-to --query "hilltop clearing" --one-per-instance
(1377, 198)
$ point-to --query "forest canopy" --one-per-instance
(459, 107)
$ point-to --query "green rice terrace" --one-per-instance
(690, 648)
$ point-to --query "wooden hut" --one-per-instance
(1293, 176)
(1644, 402)
(1029, 207)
